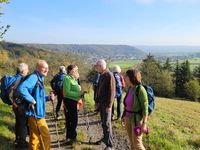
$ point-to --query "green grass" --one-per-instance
(174, 125)
(124, 63)
(7, 120)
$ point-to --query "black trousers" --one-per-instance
(21, 128)
(59, 102)
(71, 117)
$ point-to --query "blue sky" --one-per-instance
(132, 22)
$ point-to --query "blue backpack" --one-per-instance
(118, 83)
(57, 82)
(150, 95)
(7, 84)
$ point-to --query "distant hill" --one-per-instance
(96, 51)
(171, 49)
(11, 54)
(161, 53)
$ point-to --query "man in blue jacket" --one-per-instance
(32, 90)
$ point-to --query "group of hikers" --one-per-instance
(30, 112)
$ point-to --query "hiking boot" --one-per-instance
(99, 142)
(119, 118)
(108, 148)
(112, 118)
(22, 144)
(59, 117)
(74, 141)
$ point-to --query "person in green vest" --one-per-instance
(72, 94)
(135, 109)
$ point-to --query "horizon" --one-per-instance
(112, 22)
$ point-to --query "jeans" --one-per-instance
(119, 108)
(106, 125)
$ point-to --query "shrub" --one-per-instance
(192, 89)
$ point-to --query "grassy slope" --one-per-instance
(7, 120)
(174, 125)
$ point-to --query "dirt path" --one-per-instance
(89, 130)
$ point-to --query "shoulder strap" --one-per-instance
(38, 83)
(137, 92)
(13, 87)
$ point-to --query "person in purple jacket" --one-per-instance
(135, 109)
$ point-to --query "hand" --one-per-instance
(32, 106)
(144, 127)
(108, 109)
(52, 96)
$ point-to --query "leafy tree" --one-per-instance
(4, 57)
(3, 29)
(19, 53)
(164, 86)
(192, 89)
(196, 73)
(150, 72)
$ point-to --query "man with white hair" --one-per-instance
(104, 101)
(33, 92)
(20, 118)
(56, 85)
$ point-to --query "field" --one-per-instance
(124, 64)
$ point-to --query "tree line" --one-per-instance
(170, 81)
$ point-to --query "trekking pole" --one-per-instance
(58, 138)
(38, 128)
(147, 139)
(86, 114)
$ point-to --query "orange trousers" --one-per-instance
(35, 142)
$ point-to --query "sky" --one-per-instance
(131, 22)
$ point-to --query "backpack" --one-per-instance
(150, 95)
(17, 99)
(57, 82)
(118, 83)
(123, 82)
(8, 83)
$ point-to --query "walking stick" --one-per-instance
(86, 114)
(38, 128)
(58, 138)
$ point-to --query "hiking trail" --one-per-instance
(89, 131)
